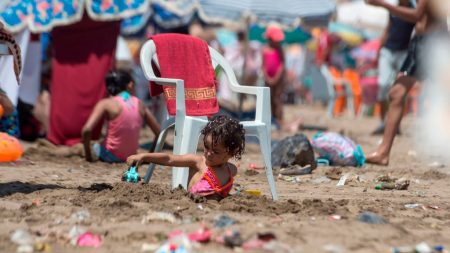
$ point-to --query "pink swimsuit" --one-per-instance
(209, 184)
(272, 61)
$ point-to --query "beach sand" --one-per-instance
(43, 193)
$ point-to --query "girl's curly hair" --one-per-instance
(229, 132)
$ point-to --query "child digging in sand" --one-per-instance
(223, 138)
(125, 114)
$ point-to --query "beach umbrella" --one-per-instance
(347, 33)
(292, 35)
(42, 15)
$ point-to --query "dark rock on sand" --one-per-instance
(293, 150)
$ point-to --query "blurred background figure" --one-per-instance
(429, 23)
(239, 52)
(433, 131)
(394, 41)
(324, 48)
(295, 64)
(125, 115)
(274, 70)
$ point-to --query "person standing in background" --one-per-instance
(392, 54)
(431, 21)
(274, 70)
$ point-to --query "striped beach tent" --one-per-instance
(288, 13)
(43, 15)
(284, 12)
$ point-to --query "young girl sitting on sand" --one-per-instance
(125, 114)
(223, 138)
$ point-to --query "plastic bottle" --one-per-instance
(403, 185)
(385, 186)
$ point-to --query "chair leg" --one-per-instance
(266, 151)
(350, 101)
(331, 103)
(362, 110)
(188, 145)
(159, 145)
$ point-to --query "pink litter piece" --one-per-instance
(89, 240)
(254, 166)
(335, 217)
(175, 233)
(253, 244)
(202, 235)
(259, 242)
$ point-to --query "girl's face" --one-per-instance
(215, 155)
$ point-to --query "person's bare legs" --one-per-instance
(384, 106)
(276, 103)
(397, 96)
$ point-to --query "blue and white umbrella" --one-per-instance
(43, 15)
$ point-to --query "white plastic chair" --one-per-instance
(188, 128)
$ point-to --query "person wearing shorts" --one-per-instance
(430, 16)
(395, 42)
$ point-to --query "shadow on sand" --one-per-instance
(20, 187)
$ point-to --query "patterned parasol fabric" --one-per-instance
(43, 15)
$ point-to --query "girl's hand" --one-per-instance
(135, 160)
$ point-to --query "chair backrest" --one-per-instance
(148, 51)
(186, 59)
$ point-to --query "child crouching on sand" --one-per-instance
(223, 138)
(125, 114)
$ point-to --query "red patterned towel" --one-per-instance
(186, 57)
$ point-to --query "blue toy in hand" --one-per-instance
(131, 175)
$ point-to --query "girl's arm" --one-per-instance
(189, 160)
(94, 118)
(407, 13)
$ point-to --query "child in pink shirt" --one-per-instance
(274, 70)
(124, 114)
